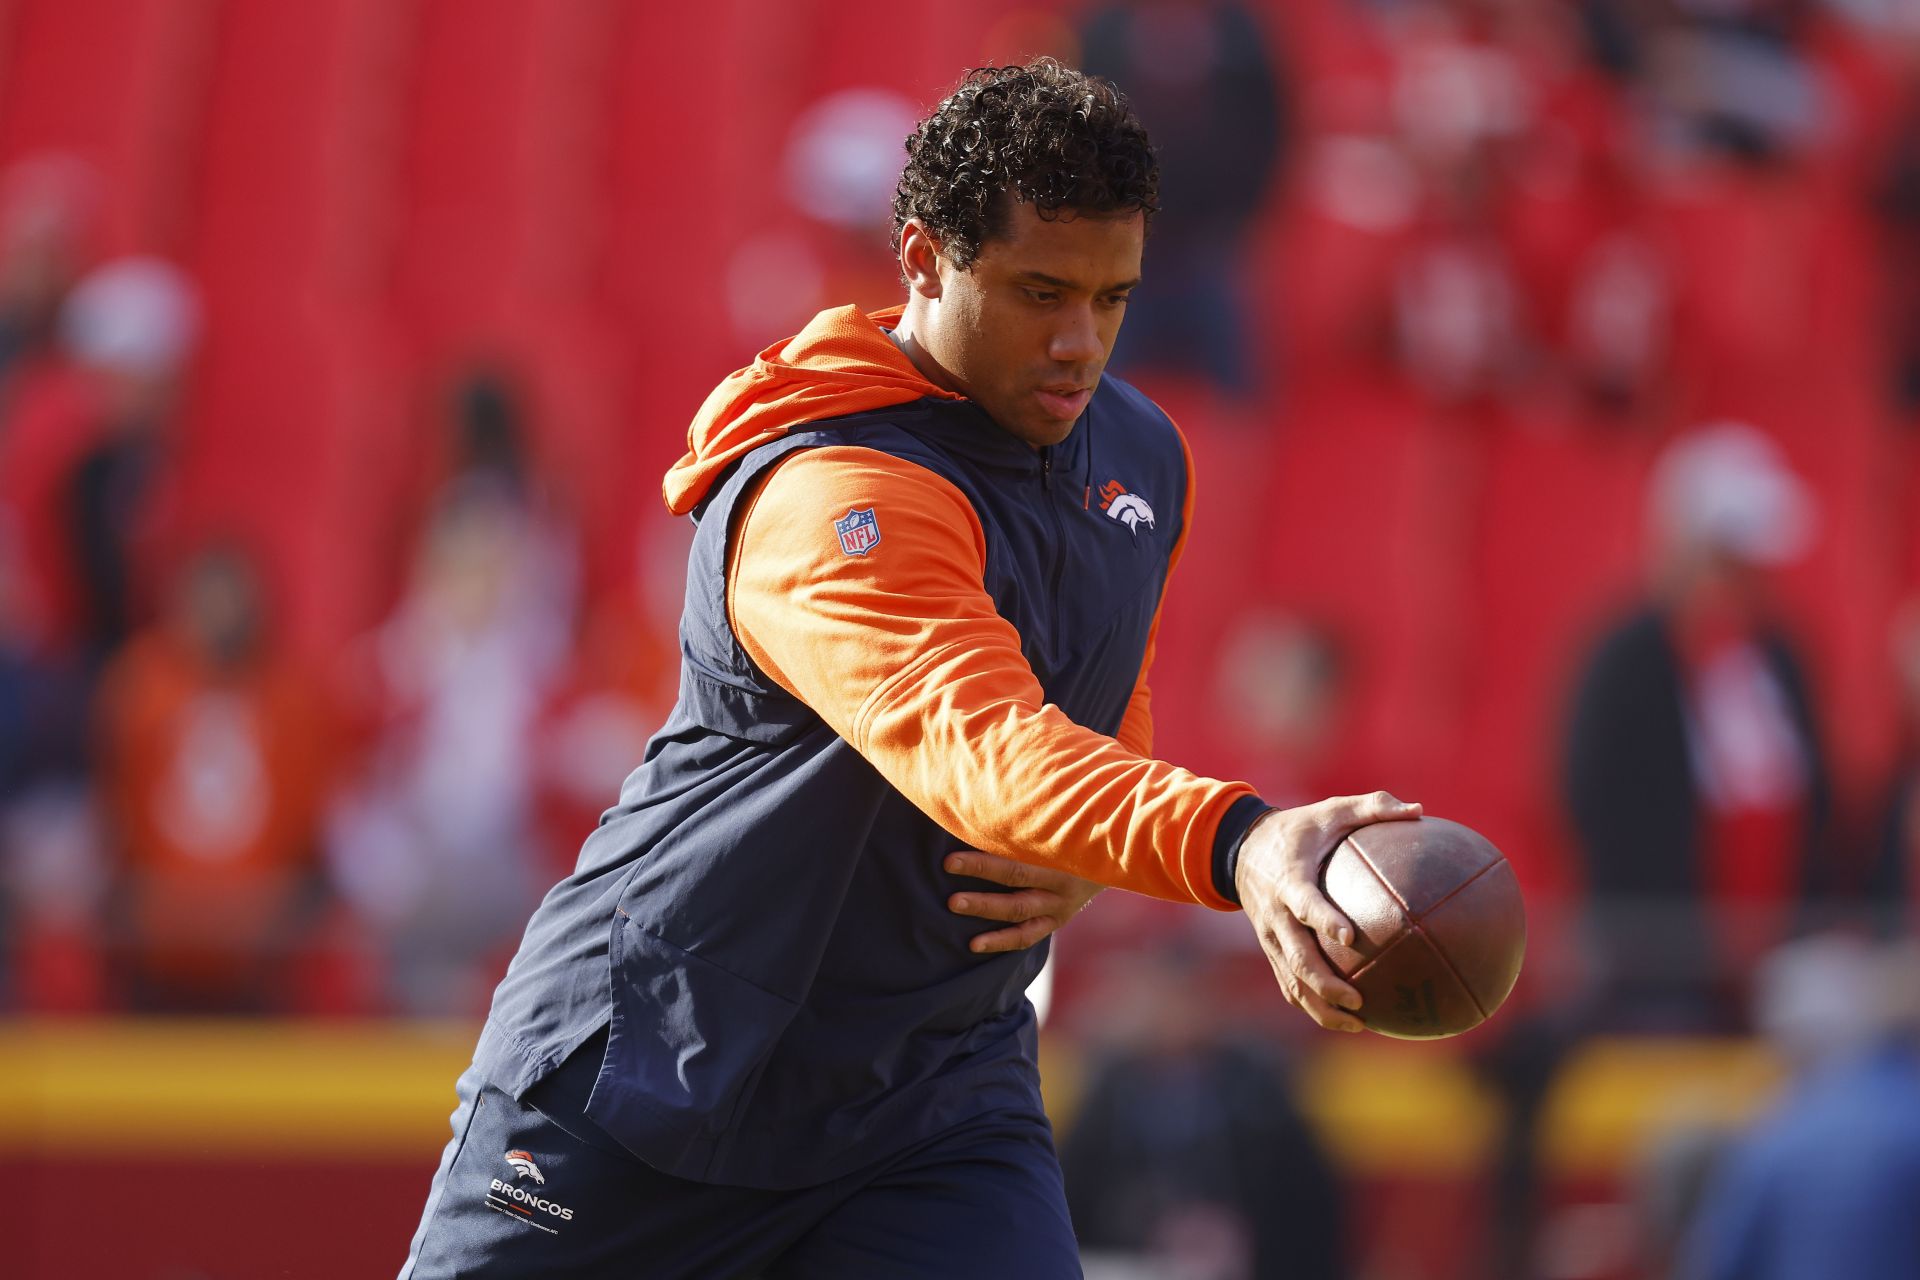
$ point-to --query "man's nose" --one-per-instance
(1076, 340)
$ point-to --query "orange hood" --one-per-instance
(841, 363)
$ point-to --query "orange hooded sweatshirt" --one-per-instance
(902, 652)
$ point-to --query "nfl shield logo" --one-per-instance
(859, 532)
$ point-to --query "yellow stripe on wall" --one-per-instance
(383, 1091)
(1616, 1097)
(1403, 1109)
(217, 1088)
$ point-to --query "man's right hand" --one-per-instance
(1278, 877)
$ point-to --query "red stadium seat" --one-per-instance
(1358, 531)
(299, 160)
(1554, 556)
(294, 440)
(504, 147)
(116, 83)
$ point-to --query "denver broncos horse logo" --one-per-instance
(1132, 510)
(1129, 509)
(524, 1167)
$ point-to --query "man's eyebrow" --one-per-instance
(1054, 282)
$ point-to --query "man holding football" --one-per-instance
(759, 1031)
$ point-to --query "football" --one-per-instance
(1439, 926)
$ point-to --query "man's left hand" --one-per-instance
(1042, 900)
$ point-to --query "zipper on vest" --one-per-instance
(1059, 529)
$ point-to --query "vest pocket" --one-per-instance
(686, 1047)
(723, 706)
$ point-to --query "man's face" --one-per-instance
(1026, 332)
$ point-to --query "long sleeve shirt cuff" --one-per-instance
(1234, 825)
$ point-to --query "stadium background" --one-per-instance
(448, 279)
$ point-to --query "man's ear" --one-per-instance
(920, 259)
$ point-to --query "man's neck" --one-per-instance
(931, 369)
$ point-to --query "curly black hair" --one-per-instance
(1044, 133)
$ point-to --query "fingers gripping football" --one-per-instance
(1278, 881)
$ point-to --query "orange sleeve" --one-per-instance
(901, 652)
(1136, 730)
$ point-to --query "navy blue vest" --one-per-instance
(761, 922)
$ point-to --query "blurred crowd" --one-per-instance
(193, 815)
(1553, 371)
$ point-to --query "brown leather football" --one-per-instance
(1439, 928)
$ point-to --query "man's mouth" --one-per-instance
(1064, 402)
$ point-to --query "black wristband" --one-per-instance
(1234, 825)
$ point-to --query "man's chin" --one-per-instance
(1051, 438)
(1037, 430)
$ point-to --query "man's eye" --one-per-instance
(1116, 299)
(1041, 295)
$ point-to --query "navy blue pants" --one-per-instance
(518, 1194)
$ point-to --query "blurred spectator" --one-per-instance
(42, 697)
(1694, 773)
(1457, 322)
(1893, 887)
(81, 464)
(1187, 1152)
(839, 166)
(54, 881)
(48, 207)
(1826, 1186)
(1897, 200)
(842, 163)
(1668, 1186)
(132, 325)
(1619, 324)
(624, 678)
(1459, 105)
(1206, 81)
(52, 872)
(434, 845)
(215, 754)
(1280, 686)
(489, 439)
(1730, 78)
